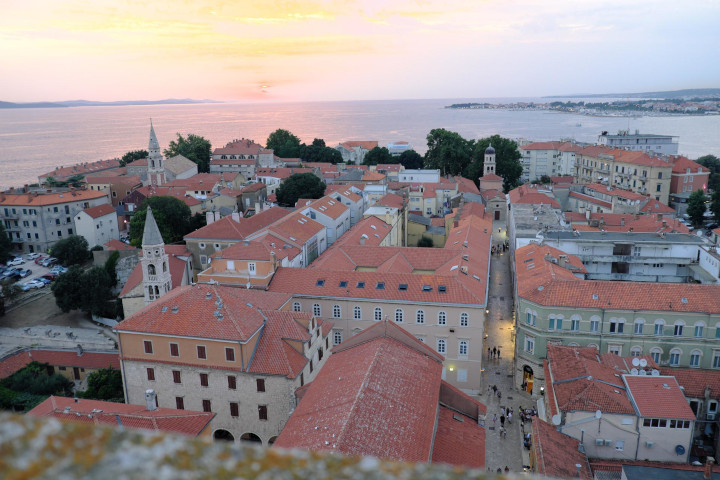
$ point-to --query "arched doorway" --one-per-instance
(272, 440)
(250, 438)
(223, 436)
(528, 377)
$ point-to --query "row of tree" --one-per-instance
(286, 145)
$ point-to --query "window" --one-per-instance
(441, 342)
(337, 337)
(260, 384)
(529, 344)
(174, 350)
(378, 314)
(462, 375)
(575, 324)
(232, 382)
(463, 348)
(675, 357)
(398, 315)
(678, 329)
(620, 445)
(534, 319)
(234, 410)
(179, 403)
(716, 359)
(699, 329)
(343, 284)
(695, 358)
(148, 346)
(638, 330)
(360, 285)
(442, 318)
(529, 318)
(615, 349)
(659, 324)
(551, 323)
(201, 353)
(464, 319)
(151, 374)
(594, 324)
(420, 317)
(176, 376)
(262, 412)
(635, 351)
(336, 311)
(207, 406)
(297, 307)
(229, 354)
(316, 310)
(203, 379)
(380, 286)
(655, 354)
(617, 325)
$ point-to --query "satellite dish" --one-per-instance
(635, 362)
(655, 373)
(643, 362)
(642, 372)
(679, 449)
(634, 371)
(598, 414)
(556, 419)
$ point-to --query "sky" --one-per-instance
(309, 50)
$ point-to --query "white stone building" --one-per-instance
(97, 225)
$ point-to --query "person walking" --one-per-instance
(495, 419)
(502, 421)
(502, 410)
(494, 388)
(509, 417)
(489, 352)
(499, 395)
(498, 354)
(494, 352)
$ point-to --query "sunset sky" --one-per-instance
(298, 50)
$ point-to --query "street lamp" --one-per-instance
(542, 391)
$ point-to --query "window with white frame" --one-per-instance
(441, 344)
(594, 346)
(442, 318)
(635, 351)
(575, 323)
(297, 307)
(678, 330)
(336, 311)
(316, 310)
(529, 317)
(551, 322)
(337, 337)
(655, 354)
(675, 357)
(463, 348)
(659, 325)
(378, 314)
(464, 318)
(615, 349)
(534, 319)
(530, 344)
(420, 316)
(251, 268)
(594, 324)
(639, 322)
(617, 325)
(716, 359)
(695, 356)
(357, 313)
(699, 329)
(398, 315)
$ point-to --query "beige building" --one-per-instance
(97, 225)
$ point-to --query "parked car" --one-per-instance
(58, 269)
(11, 274)
(32, 284)
(40, 259)
(49, 261)
(43, 280)
(16, 262)
(32, 256)
(712, 226)
(49, 277)
(24, 272)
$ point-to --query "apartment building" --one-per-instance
(547, 158)
(644, 142)
(234, 352)
(354, 151)
(329, 212)
(97, 225)
(35, 221)
(63, 174)
(351, 197)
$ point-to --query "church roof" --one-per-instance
(151, 234)
(153, 143)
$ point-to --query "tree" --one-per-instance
(195, 148)
(173, 218)
(425, 242)
(5, 245)
(447, 151)
(318, 152)
(299, 185)
(712, 163)
(715, 205)
(104, 384)
(68, 289)
(507, 161)
(130, 157)
(379, 155)
(97, 287)
(284, 144)
(411, 160)
(696, 207)
(72, 250)
(110, 267)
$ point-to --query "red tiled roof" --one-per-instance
(625, 156)
(61, 358)
(681, 164)
(275, 354)
(492, 193)
(228, 229)
(326, 205)
(562, 180)
(658, 397)
(190, 311)
(694, 381)
(364, 144)
(557, 454)
(388, 167)
(465, 185)
(623, 222)
(373, 177)
(280, 172)
(201, 181)
(118, 245)
(112, 179)
(101, 413)
(239, 147)
(296, 228)
(614, 192)
(343, 190)
(149, 191)
(82, 169)
(254, 187)
(31, 200)
(368, 231)
(590, 199)
(653, 206)
(100, 211)
(391, 200)
(492, 177)
(529, 195)
(457, 439)
(542, 146)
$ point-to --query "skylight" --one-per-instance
(442, 288)
(320, 283)
(380, 286)
(360, 285)
(343, 283)
(427, 288)
(402, 287)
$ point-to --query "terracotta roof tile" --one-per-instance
(176, 266)
(100, 211)
(239, 147)
(82, 169)
(364, 144)
(557, 454)
(326, 205)
(694, 381)
(459, 440)
(681, 164)
(658, 397)
(62, 358)
(529, 195)
(391, 200)
(32, 200)
(228, 229)
(118, 245)
(275, 355)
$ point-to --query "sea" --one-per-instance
(36, 141)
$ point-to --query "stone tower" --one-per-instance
(156, 163)
(155, 262)
(489, 164)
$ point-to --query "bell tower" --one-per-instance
(156, 162)
(155, 262)
(489, 163)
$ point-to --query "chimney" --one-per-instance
(79, 350)
(257, 207)
(209, 217)
(150, 400)
(622, 222)
(362, 240)
(274, 260)
(236, 217)
(707, 474)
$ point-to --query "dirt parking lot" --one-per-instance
(42, 310)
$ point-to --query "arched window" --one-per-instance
(420, 316)
(700, 329)
(442, 318)
(678, 328)
(316, 310)
(595, 324)
(297, 307)
(336, 311)
(463, 348)
(464, 317)
(357, 313)
(675, 357)
(378, 314)
(695, 357)
(636, 351)
(441, 345)
(655, 353)
(659, 326)
(575, 323)
(398, 315)
(594, 346)
(528, 317)
(151, 269)
(164, 266)
(638, 330)
(157, 291)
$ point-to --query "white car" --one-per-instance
(32, 256)
(31, 285)
(16, 262)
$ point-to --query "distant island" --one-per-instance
(686, 94)
(90, 103)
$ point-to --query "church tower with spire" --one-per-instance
(156, 162)
(155, 262)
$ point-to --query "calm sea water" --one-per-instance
(35, 141)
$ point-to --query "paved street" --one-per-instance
(500, 452)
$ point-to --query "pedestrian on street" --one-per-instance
(507, 470)
(522, 426)
(494, 388)
(502, 410)
(489, 352)
(494, 351)
(495, 419)
(489, 389)
(502, 421)
(503, 432)
(498, 353)
(509, 417)
(499, 395)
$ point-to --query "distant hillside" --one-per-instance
(687, 93)
(89, 103)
